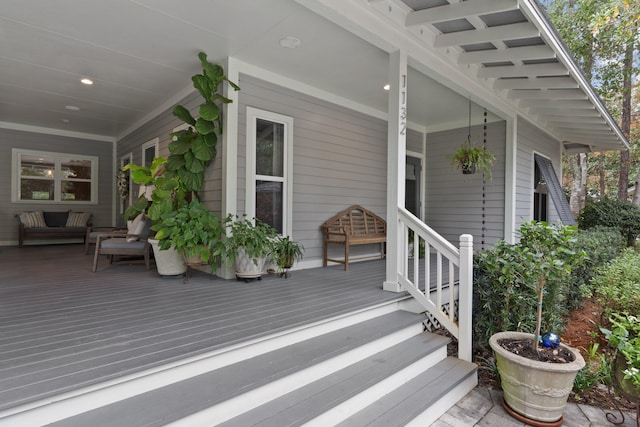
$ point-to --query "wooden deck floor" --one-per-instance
(63, 327)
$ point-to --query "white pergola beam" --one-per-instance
(531, 70)
(536, 83)
(561, 118)
(567, 112)
(582, 104)
(547, 94)
(459, 10)
(503, 55)
(500, 33)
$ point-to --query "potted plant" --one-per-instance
(537, 380)
(285, 253)
(624, 337)
(177, 179)
(472, 158)
(248, 244)
(195, 232)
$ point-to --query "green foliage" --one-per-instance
(194, 231)
(596, 371)
(193, 148)
(286, 252)
(601, 244)
(472, 157)
(256, 237)
(511, 280)
(617, 284)
(609, 212)
(624, 336)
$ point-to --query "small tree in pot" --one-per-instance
(536, 385)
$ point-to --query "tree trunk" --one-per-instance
(623, 182)
(636, 194)
(602, 176)
(578, 166)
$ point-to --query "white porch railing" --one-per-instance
(435, 289)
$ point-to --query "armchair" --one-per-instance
(132, 243)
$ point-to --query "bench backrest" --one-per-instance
(359, 220)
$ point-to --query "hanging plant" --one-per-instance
(471, 159)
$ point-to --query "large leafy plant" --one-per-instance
(255, 237)
(193, 148)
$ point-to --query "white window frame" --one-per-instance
(155, 143)
(58, 158)
(253, 114)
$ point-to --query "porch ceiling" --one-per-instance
(141, 55)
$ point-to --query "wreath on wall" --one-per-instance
(123, 183)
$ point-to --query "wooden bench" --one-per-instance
(353, 226)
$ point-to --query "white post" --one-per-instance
(396, 163)
(229, 155)
(465, 298)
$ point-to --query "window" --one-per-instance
(539, 196)
(54, 177)
(149, 151)
(269, 165)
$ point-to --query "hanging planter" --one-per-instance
(471, 159)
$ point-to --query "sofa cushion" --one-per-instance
(77, 219)
(33, 219)
(56, 219)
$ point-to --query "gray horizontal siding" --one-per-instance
(454, 200)
(531, 139)
(339, 158)
(9, 139)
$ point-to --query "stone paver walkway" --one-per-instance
(483, 408)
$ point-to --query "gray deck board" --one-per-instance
(63, 327)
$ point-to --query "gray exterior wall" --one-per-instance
(160, 127)
(101, 213)
(340, 158)
(453, 200)
(532, 140)
(414, 141)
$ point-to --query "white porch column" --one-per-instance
(510, 160)
(396, 163)
(465, 298)
(229, 155)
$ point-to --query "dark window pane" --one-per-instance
(80, 191)
(36, 166)
(36, 189)
(269, 203)
(269, 148)
(76, 169)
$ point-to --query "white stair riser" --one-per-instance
(256, 397)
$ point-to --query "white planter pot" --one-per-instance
(246, 268)
(168, 262)
(536, 390)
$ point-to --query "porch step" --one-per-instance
(229, 391)
(361, 372)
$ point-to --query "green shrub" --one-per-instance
(601, 244)
(506, 279)
(617, 284)
(624, 216)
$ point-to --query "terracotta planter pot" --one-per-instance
(536, 390)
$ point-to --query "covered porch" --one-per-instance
(65, 328)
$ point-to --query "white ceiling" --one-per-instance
(141, 55)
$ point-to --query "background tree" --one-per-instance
(604, 37)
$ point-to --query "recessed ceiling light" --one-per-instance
(86, 81)
(66, 121)
(387, 86)
(290, 42)
(72, 108)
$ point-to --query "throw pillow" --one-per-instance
(33, 219)
(77, 219)
(136, 227)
